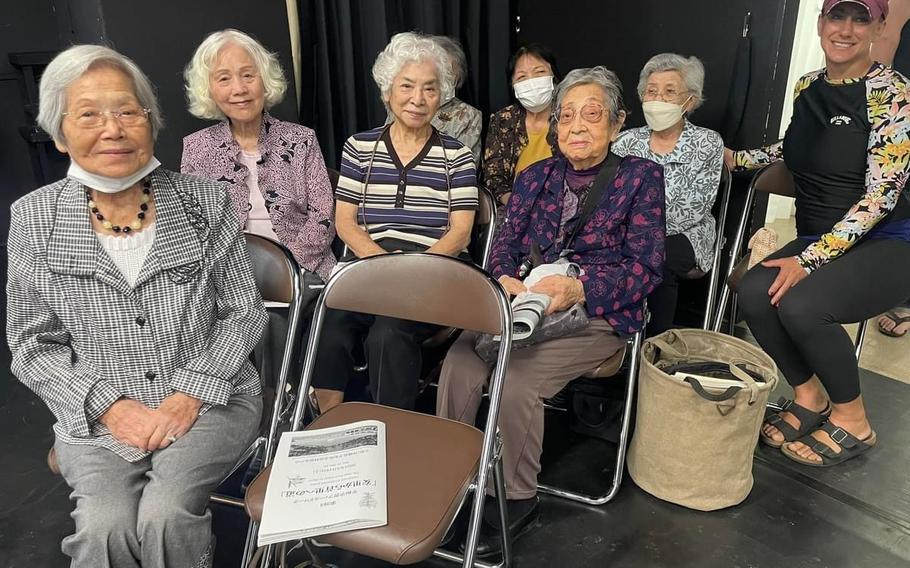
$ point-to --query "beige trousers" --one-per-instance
(534, 373)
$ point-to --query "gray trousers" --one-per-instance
(154, 513)
(534, 373)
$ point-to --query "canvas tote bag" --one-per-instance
(693, 443)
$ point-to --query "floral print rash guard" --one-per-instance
(848, 147)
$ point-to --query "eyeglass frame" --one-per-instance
(603, 110)
(117, 115)
(663, 97)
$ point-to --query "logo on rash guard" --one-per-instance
(841, 120)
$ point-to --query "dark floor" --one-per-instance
(855, 516)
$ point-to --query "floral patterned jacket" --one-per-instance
(507, 136)
(692, 172)
(888, 108)
(620, 248)
(292, 178)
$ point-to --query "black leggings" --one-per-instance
(680, 259)
(393, 354)
(803, 334)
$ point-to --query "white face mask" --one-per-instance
(535, 94)
(661, 115)
(106, 184)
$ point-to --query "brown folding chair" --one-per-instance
(773, 179)
(427, 480)
(279, 279)
(610, 368)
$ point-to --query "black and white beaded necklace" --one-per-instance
(135, 225)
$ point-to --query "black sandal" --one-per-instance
(849, 445)
(898, 321)
(809, 421)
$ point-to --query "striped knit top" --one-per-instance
(406, 202)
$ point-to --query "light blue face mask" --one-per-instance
(106, 184)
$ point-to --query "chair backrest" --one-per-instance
(484, 226)
(338, 246)
(775, 179)
(421, 287)
(333, 178)
(274, 268)
(278, 278)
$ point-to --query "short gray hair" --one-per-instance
(600, 76)
(690, 68)
(456, 57)
(72, 64)
(198, 71)
(412, 47)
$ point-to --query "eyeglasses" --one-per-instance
(133, 116)
(591, 112)
(670, 95)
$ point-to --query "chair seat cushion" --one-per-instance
(52, 461)
(738, 272)
(695, 274)
(609, 367)
(431, 463)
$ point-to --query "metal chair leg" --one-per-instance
(860, 336)
(500, 483)
(249, 545)
(734, 304)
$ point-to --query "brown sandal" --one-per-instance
(809, 421)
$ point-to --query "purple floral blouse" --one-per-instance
(292, 178)
(620, 248)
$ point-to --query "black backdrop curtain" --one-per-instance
(339, 40)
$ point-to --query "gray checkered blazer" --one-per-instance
(81, 337)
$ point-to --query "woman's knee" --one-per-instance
(801, 313)
(105, 522)
(752, 292)
(168, 509)
(519, 394)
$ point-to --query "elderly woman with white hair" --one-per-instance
(273, 170)
(132, 311)
(604, 215)
(670, 88)
(403, 187)
(455, 117)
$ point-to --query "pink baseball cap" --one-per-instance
(877, 8)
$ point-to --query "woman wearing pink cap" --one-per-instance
(847, 147)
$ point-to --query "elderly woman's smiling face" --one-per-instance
(584, 128)
(112, 149)
(236, 84)
(415, 94)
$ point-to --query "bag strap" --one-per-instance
(745, 378)
(604, 177)
(679, 349)
(700, 390)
